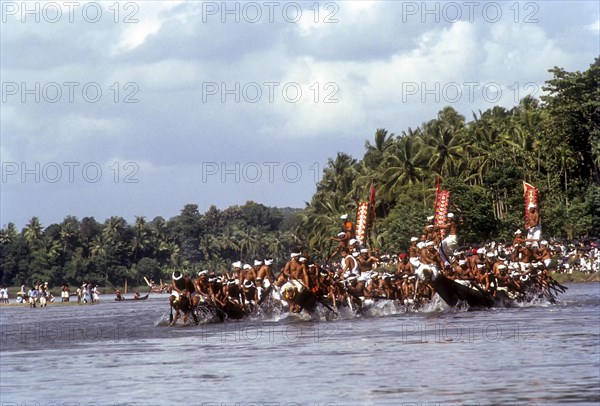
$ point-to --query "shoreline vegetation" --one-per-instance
(552, 143)
(576, 277)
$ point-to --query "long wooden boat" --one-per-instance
(133, 299)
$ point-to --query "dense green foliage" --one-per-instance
(553, 143)
(110, 252)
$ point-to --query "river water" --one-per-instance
(126, 354)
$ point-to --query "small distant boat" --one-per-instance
(123, 299)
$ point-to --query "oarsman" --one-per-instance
(373, 286)
(482, 276)
(502, 277)
(408, 289)
(247, 274)
(183, 286)
(366, 262)
(300, 273)
(354, 246)
(544, 254)
(265, 272)
(313, 277)
(430, 260)
(258, 263)
(349, 264)
(534, 229)
(428, 228)
(518, 240)
(218, 292)
(387, 287)
(450, 243)
(201, 284)
(260, 289)
(414, 252)
(477, 258)
(404, 266)
(458, 271)
(343, 239)
(490, 261)
(355, 290)
(527, 255)
(295, 268)
(250, 294)
(431, 234)
(233, 292)
(236, 272)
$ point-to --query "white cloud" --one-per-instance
(594, 27)
(146, 18)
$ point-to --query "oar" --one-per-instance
(267, 291)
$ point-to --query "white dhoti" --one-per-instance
(414, 261)
(449, 245)
(427, 272)
(534, 233)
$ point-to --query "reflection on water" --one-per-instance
(125, 353)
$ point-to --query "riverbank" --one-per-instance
(576, 277)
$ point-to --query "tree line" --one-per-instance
(553, 143)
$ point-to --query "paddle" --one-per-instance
(267, 291)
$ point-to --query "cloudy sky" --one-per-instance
(138, 108)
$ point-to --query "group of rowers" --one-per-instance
(363, 274)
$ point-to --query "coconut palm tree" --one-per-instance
(8, 235)
(33, 231)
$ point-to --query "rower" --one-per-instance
(265, 272)
(450, 243)
(414, 252)
(404, 266)
(349, 264)
(366, 262)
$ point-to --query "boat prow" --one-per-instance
(452, 292)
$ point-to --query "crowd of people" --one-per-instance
(40, 294)
(515, 271)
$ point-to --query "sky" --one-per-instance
(140, 107)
